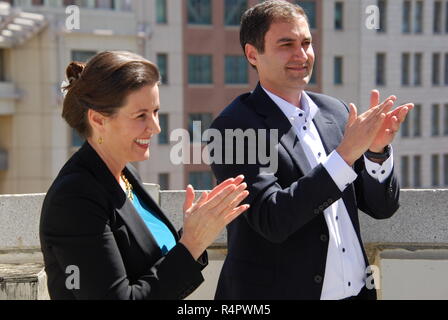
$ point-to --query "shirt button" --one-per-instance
(337, 218)
(383, 172)
(349, 284)
(319, 154)
(373, 171)
(300, 114)
(304, 128)
(343, 249)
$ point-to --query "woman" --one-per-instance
(102, 236)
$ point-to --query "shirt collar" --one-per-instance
(307, 106)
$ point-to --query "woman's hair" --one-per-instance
(103, 85)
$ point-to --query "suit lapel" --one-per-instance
(275, 119)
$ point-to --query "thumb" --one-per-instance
(189, 197)
(353, 114)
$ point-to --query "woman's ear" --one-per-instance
(96, 120)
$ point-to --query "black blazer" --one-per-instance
(278, 248)
(88, 222)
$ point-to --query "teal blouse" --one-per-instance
(161, 233)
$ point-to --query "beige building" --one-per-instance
(408, 57)
(36, 44)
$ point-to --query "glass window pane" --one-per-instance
(405, 61)
(161, 11)
(164, 181)
(417, 171)
(339, 15)
(233, 11)
(446, 67)
(381, 69)
(435, 116)
(162, 63)
(201, 180)
(445, 169)
(406, 26)
(417, 120)
(338, 70)
(419, 17)
(445, 120)
(200, 69)
(436, 69)
(437, 26)
(236, 70)
(164, 127)
(310, 9)
(435, 170)
(199, 11)
(418, 69)
(405, 172)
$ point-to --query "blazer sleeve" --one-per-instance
(77, 231)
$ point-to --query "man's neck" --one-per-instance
(292, 96)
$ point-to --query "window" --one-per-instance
(380, 69)
(163, 136)
(418, 17)
(436, 69)
(200, 69)
(2, 65)
(236, 70)
(417, 171)
(405, 172)
(164, 181)
(233, 11)
(406, 27)
(382, 6)
(445, 120)
(435, 170)
(404, 128)
(445, 169)
(418, 69)
(446, 18)
(161, 12)
(417, 120)
(201, 180)
(437, 21)
(435, 116)
(162, 63)
(82, 55)
(199, 11)
(197, 124)
(446, 68)
(338, 70)
(339, 15)
(405, 65)
(310, 9)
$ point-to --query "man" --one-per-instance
(301, 237)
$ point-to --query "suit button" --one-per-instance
(323, 238)
(318, 279)
(321, 208)
(330, 201)
(326, 204)
(316, 211)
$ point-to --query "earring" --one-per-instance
(100, 140)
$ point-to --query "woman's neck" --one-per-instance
(114, 166)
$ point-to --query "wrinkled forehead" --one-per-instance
(297, 25)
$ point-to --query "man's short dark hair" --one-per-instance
(257, 20)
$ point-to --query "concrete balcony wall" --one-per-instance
(410, 250)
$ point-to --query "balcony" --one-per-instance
(410, 250)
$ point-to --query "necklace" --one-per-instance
(128, 187)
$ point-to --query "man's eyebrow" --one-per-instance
(286, 39)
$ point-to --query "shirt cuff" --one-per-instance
(341, 173)
(382, 171)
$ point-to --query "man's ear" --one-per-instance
(251, 54)
(96, 120)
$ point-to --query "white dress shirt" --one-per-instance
(345, 270)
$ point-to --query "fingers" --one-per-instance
(236, 181)
(353, 114)
(374, 98)
(235, 213)
(189, 197)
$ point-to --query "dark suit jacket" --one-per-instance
(88, 222)
(278, 248)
